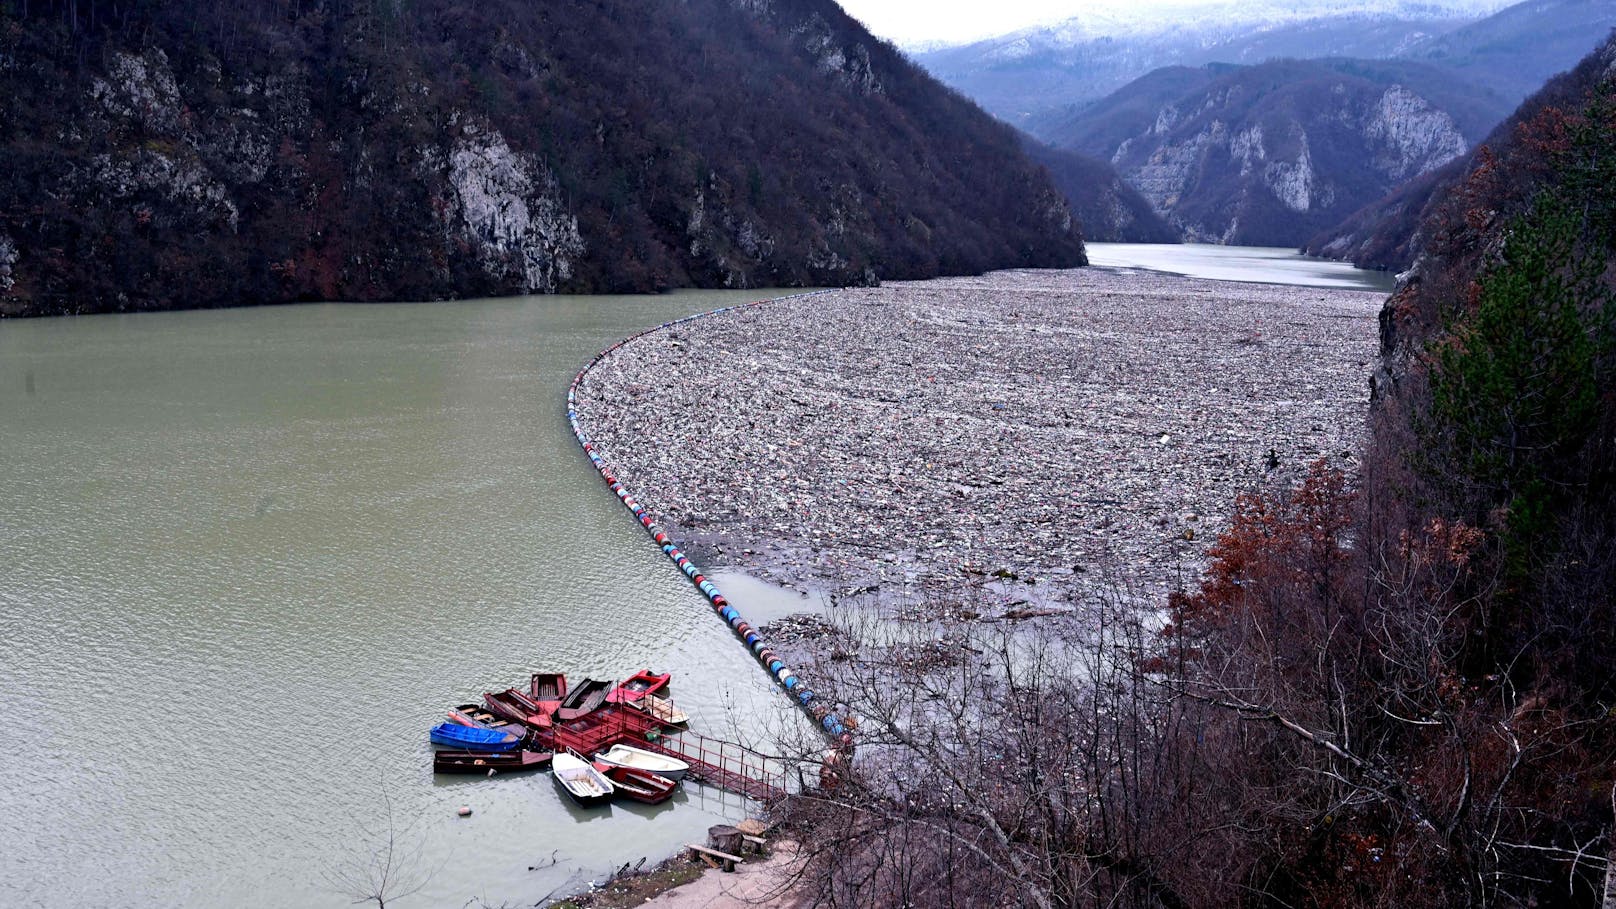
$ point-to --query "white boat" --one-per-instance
(640, 759)
(580, 779)
(661, 708)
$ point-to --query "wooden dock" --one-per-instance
(726, 765)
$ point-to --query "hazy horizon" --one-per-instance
(911, 23)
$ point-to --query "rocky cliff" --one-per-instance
(1390, 233)
(1269, 154)
(170, 155)
(1106, 207)
(1559, 147)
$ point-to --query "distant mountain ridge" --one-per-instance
(1267, 155)
(1036, 78)
(1392, 232)
(187, 154)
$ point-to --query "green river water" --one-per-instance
(251, 555)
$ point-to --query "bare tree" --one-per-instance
(387, 864)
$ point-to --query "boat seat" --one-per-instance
(727, 861)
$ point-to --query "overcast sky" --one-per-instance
(909, 21)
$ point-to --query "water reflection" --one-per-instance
(1267, 265)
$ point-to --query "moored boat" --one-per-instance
(546, 689)
(475, 715)
(639, 785)
(517, 707)
(583, 699)
(663, 709)
(473, 738)
(638, 758)
(484, 762)
(638, 686)
(579, 779)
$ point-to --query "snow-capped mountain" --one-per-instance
(1216, 21)
(1031, 75)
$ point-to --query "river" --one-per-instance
(1262, 264)
(251, 555)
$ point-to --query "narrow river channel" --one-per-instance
(250, 556)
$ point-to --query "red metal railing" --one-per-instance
(725, 764)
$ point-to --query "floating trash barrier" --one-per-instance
(744, 631)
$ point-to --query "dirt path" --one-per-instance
(754, 884)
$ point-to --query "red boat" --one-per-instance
(547, 689)
(638, 686)
(583, 699)
(517, 707)
(489, 762)
(639, 785)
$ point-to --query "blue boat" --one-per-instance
(473, 738)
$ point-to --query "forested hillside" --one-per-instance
(159, 155)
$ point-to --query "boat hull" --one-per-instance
(515, 706)
(638, 686)
(583, 699)
(640, 759)
(663, 709)
(547, 689)
(640, 785)
(473, 738)
(482, 763)
(580, 781)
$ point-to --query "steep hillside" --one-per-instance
(1381, 234)
(1560, 144)
(1107, 209)
(187, 154)
(1387, 233)
(1516, 50)
(1100, 128)
(1416, 650)
(1036, 77)
(1269, 155)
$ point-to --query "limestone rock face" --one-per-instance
(1412, 137)
(1267, 155)
(508, 207)
(1391, 233)
(8, 258)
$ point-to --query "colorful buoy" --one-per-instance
(749, 635)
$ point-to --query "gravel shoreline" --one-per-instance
(1050, 432)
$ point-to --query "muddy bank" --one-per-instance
(1042, 431)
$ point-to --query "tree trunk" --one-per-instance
(724, 838)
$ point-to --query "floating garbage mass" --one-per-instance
(784, 675)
